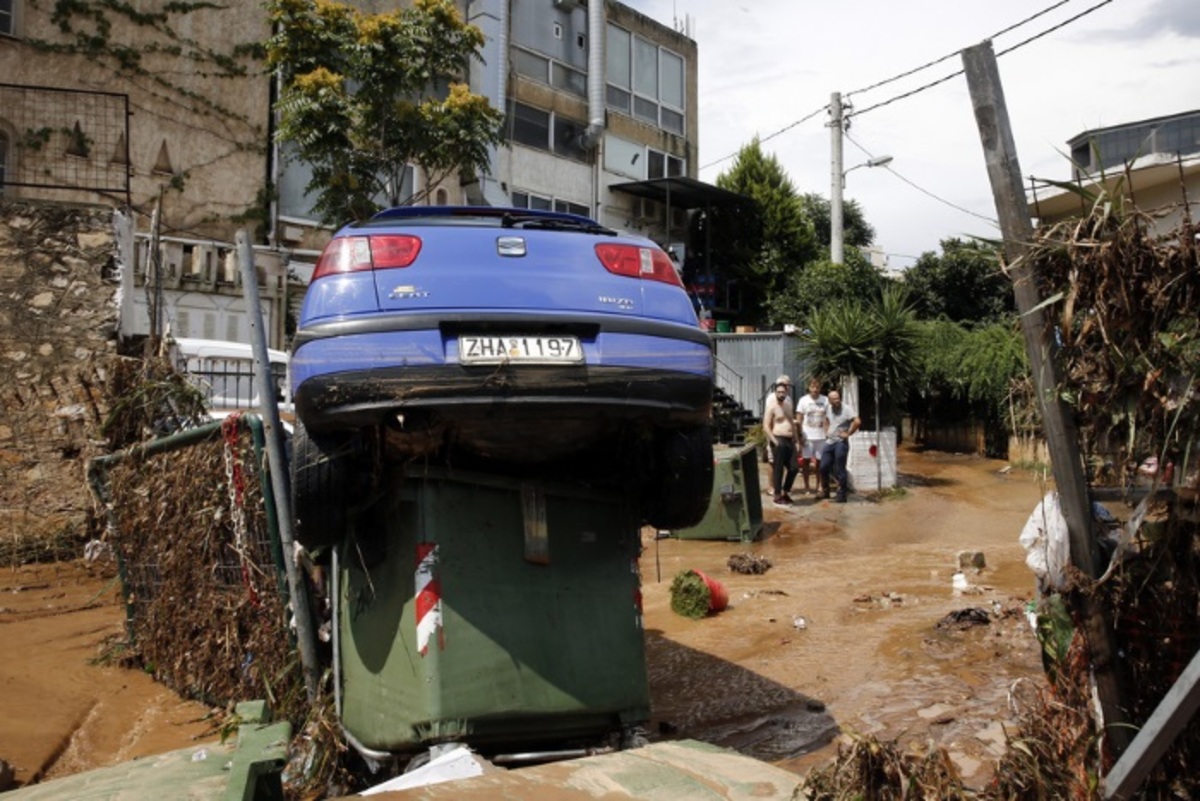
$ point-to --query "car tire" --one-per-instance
(324, 473)
(680, 488)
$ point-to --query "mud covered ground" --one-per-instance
(870, 580)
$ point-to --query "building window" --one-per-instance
(644, 80)
(544, 130)
(528, 200)
(8, 17)
(567, 207)
(662, 165)
(549, 71)
(531, 126)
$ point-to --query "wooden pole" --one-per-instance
(1062, 437)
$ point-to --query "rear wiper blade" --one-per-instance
(535, 221)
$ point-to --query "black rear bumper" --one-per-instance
(354, 399)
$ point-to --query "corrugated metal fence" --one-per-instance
(748, 364)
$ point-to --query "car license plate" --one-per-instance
(534, 350)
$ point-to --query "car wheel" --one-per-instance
(680, 488)
(324, 480)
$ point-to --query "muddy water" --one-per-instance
(871, 582)
(60, 711)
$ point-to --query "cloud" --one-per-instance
(1162, 17)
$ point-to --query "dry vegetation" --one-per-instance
(205, 590)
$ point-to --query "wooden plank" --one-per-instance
(1004, 172)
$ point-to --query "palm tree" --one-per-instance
(851, 338)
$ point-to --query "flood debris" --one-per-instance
(971, 560)
(961, 619)
(1123, 301)
(696, 595)
(749, 563)
(866, 767)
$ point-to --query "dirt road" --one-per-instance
(870, 580)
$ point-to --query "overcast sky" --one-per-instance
(767, 64)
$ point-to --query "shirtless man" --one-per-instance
(779, 425)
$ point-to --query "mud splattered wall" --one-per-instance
(59, 276)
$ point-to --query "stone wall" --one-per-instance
(59, 285)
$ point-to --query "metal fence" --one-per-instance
(192, 520)
(62, 141)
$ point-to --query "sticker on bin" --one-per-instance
(428, 598)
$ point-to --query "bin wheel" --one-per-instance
(325, 479)
(680, 488)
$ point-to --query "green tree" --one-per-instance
(364, 95)
(964, 284)
(856, 231)
(976, 373)
(761, 244)
(822, 283)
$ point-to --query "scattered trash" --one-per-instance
(695, 595)
(748, 563)
(959, 582)
(95, 550)
(971, 559)
(1005, 470)
(200, 755)
(965, 618)
(799, 623)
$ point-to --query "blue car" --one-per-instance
(523, 341)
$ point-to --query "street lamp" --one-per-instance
(836, 254)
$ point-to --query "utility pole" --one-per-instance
(1004, 172)
(836, 254)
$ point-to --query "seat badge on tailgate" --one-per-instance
(624, 304)
(407, 292)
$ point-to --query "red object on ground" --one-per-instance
(719, 596)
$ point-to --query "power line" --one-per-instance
(769, 137)
(948, 56)
(1062, 24)
(1020, 44)
(925, 66)
(923, 190)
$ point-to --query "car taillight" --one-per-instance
(350, 254)
(638, 262)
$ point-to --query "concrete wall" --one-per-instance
(59, 287)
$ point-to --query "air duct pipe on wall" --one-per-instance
(596, 24)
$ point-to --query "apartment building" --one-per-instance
(1155, 162)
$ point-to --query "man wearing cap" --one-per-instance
(779, 425)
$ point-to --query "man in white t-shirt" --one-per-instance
(812, 409)
(842, 422)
